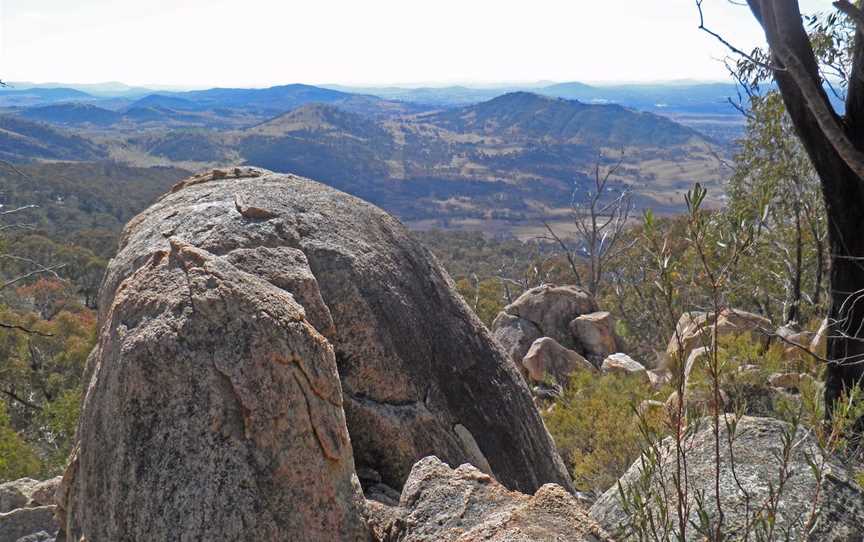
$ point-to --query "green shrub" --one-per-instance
(17, 459)
(596, 427)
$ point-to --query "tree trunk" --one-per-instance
(794, 312)
(820, 266)
(842, 189)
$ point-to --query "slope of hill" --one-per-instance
(516, 158)
(22, 140)
(72, 113)
(163, 101)
(12, 97)
(531, 116)
(274, 100)
(319, 119)
(74, 197)
(677, 97)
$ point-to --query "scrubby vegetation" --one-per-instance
(596, 426)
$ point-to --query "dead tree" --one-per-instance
(600, 218)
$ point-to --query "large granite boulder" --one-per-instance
(544, 311)
(419, 373)
(465, 505)
(757, 446)
(213, 411)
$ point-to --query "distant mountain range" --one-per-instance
(681, 97)
(519, 157)
(514, 157)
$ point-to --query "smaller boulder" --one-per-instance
(701, 400)
(16, 494)
(695, 329)
(659, 378)
(796, 343)
(464, 504)
(29, 522)
(44, 493)
(547, 357)
(757, 447)
(819, 343)
(595, 333)
(789, 381)
(623, 364)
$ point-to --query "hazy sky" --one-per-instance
(266, 42)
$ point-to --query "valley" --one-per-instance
(503, 165)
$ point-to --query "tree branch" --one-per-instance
(29, 331)
(12, 395)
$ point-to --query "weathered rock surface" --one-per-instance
(756, 448)
(699, 399)
(16, 494)
(516, 336)
(419, 373)
(544, 311)
(44, 493)
(213, 412)
(465, 505)
(546, 358)
(27, 510)
(623, 364)
(596, 333)
(37, 523)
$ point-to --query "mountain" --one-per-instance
(12, 97)
(517, 157)
(532, 117)
(275, 100)
(451, 96)
(691, 98)
(319, 119)
(161, 100)
(22, 140)
(72, 113)
(677, 97)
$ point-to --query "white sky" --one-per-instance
(267, 42)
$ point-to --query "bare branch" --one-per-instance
(50, 270)
(728, 45)
(16, 327)
(12, 395)
(852, 12)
